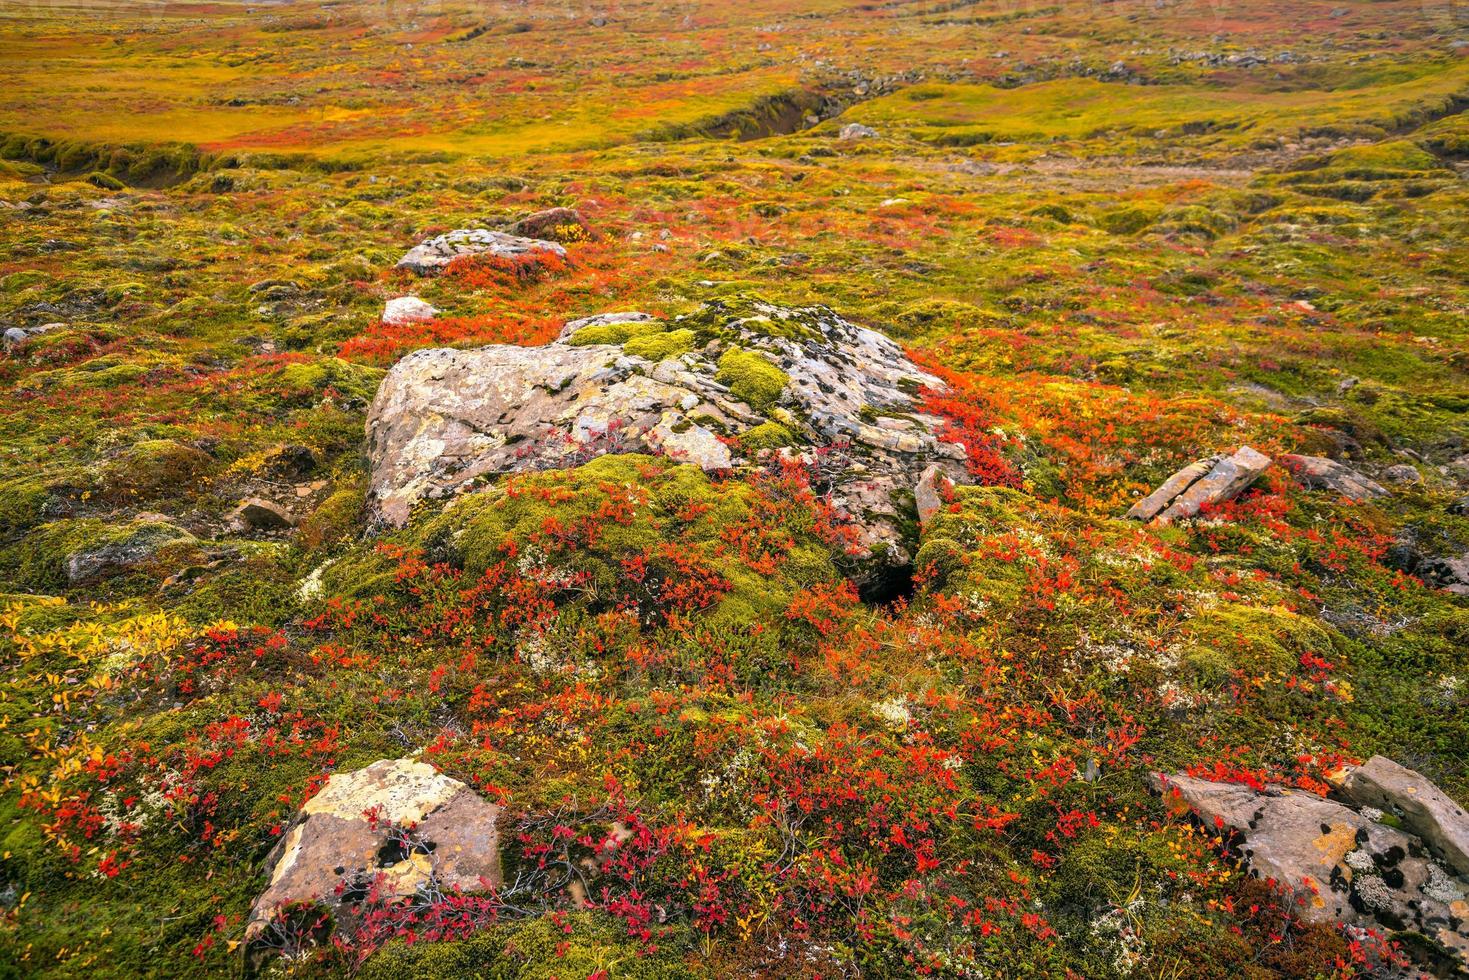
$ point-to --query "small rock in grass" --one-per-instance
(1404, 473)
(259, 514)
(407, 309)
(1214, 480)
(120, 551)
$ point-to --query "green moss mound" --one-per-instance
(753, 377)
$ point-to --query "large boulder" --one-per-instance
(1319, 473)
(1215, 480)
(433, 254)
(393, 828)
(1342, 864)
(717, 388)
(1422, 807)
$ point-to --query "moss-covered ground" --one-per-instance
(1126, 235)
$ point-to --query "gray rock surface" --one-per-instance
(444, 419)
(1214, 480)
(1342, 864)
(1423, 808)
(398, 823)
(433, 254)
(407, 309)
(1405, 473)
(1319, 473)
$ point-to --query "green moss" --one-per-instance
(1128, 220)
(752, 377)
(616, 333)
(335, 519)
(1251, 639)
(356, 381)
(153, 467)
(767, 435)
(660, 346)
(538, 949)
(105, 181)
(21, 501)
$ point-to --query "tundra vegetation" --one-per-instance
(1126, 236)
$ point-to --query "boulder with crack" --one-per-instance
(1319, 473)
(1422, 807)
(1214, 480)
(395, 827)
(431, 255)
(718, 388)
(1342, 864)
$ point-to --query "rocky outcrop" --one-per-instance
(395, 827)
(1343, 864)
(1319, 473)
(717, 388)
(407, 309)
(1215, 480)
(1422, 807)
(433, 254)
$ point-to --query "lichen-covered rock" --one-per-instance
(444, 419)
(433, 254)
(408, 309)
(1342, 864)
(1319, 473)
(856, 131)
(1214, 480)
(121, 550)
(1423, 808)
(396, 824)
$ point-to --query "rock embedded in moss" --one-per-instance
(1343, 865)
(119, 550)
(1319, 473)
(554, 225)
(407, 309)
(432, 254)
(445, 419)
